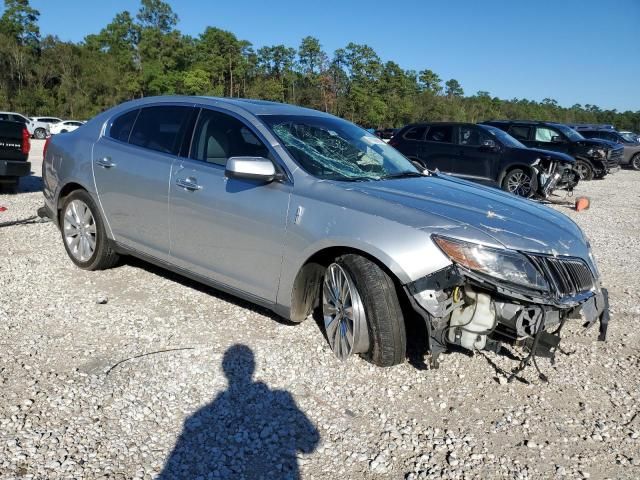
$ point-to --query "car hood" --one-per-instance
(538, 152)
(596, 142)
(475, 213)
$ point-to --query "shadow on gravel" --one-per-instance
(249, 431)
(30, 184)
(201, 287)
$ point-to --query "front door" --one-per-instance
(132, 166)
(229, 230)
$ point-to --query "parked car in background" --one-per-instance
(386, 133)
(301, 211)
(488, 155)
(631, 156)
(14, 153)
(594, 158)
(65, 126)
(18, 117)
(42, 126)
(630, 136)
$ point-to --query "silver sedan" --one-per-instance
(303, 212)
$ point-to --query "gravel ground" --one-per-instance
(135, 373)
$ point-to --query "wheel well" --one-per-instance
(510, 168)
(65, 192)
(306, 286)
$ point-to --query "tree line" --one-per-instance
(143, 54)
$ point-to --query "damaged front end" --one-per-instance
(489, 296)
(554, 175)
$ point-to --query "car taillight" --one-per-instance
(26, 144)
(44, 149)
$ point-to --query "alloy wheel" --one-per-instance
(583, 170)
(635, 162)
(343, 311)
(519, 183)
(79, 229)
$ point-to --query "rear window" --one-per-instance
(160, 128)
(121, 126)
(440, 133)
(415, 133)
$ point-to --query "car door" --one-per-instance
(229, 230)
(132, 168)
(474, 161)
(437, 149)
(549, 138)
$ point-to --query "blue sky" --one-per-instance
(576, 51)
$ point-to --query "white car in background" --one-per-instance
(18, 117)
(42, 126)
(65, 126)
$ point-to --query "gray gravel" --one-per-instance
(83, 395)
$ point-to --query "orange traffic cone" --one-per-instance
(582, 203)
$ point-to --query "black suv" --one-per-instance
(594, 158)
(631, 156)
(486, 154)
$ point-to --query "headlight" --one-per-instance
(505, 265)
(596, 152)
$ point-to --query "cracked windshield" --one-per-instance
(333, 149)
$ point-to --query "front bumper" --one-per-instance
(14, 168)
(477, 313)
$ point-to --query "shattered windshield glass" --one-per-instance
(334, 149)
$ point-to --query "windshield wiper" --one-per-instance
(353, 179)
(407, 174)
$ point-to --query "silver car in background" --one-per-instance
(303, 212)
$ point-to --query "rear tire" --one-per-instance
(635, 162)
(382, 315)
(585, 171)
(83, 233)
(40, 133)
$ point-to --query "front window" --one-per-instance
(629, 137)
(570, 133)
(503, 137)
(334, 149)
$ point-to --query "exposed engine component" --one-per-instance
(471, 323)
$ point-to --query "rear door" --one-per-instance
(229, 230)
(438, 148)
(409, 143)
(132, 168)
(474, 161)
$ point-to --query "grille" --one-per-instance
(569, 276)
(614, 157)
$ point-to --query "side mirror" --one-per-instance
(557, 139)
(251, 168)
(488, 144)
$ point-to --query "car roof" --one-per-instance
(525, 122)
(424, 124)
(255, 107)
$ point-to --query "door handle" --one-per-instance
(189, 183)
(105, 162)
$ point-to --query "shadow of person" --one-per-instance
(248, 432)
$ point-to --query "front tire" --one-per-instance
(585, 171)
(40, 133)
(518, 182)
(83, 233)
(362, 313)
(635, 162)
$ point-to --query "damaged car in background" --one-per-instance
(487, 155)
(303, 212)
